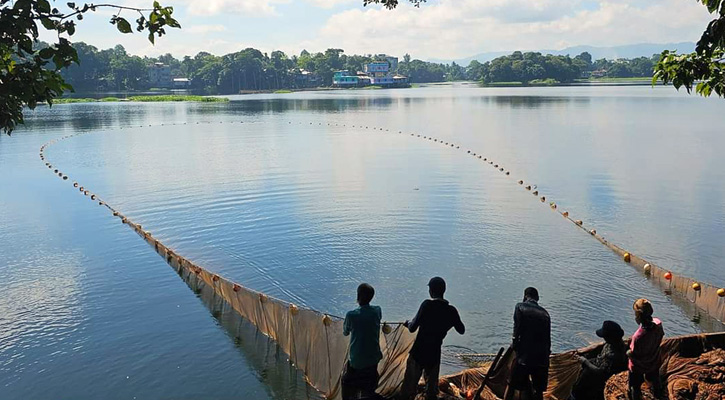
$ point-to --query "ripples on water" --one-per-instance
(306, 212)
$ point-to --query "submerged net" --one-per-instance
(313, 340)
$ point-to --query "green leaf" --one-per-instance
(43, 6)
(46, 53)
(123, 25)
(48, 23)
(151, 38)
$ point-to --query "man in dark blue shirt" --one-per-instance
(532, 344)
(363, 326)
(433, 321)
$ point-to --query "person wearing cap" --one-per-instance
(644, 351)
(532, 346)
(434, 319)
(611, 360)
(360, 376)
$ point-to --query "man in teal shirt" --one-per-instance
(363, 326)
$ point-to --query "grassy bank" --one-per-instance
(282, 91)
(145, 99)
(615, 80)
(203, 99)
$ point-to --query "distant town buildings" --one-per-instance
(160, 77)
(306, 79)
(182, 83)
(379, 73)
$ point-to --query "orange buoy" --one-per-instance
(579, 222)
(593, 232)
(236, 287)
(721, 292)
(668, 276)
(565, 213)
(647, 269)
(696, 287)
(627, 257)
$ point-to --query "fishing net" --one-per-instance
(313, 340)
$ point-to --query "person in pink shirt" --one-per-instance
(644, 351)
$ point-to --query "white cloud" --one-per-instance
(459, 28)
(331, 3)
(249, 8)
(205, 28)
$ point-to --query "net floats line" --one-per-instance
(706, 297)
(277, 319)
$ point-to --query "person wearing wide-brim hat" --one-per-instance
(596, 371)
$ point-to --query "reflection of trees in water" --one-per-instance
(271, 364)
(84, 117)
(285, 105)
(531, 101)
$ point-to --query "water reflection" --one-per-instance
(272, 366)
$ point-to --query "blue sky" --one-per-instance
(444, 29)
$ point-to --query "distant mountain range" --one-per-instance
(610, 53)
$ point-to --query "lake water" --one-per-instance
(282, 194)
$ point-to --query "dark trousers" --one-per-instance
(528, 379)
(413, 372)
(636, 379)
(359, 383)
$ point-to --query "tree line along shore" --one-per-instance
(251, 70)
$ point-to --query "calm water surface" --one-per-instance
(273, 192)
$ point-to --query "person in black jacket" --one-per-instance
(433, 320)
(611, 360)
(532, 344)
